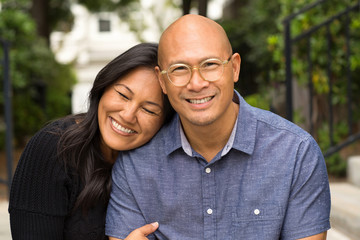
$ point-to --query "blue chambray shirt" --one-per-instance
(269, 182)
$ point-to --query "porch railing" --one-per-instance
(291, 40)
(5, 64)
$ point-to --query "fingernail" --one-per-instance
(155, 224)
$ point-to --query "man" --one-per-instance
(221, 169)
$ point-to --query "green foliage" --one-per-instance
(106, 5)
(57, 15)
(40, 85)
(336, 166)
(60, 15)
(248, 32)
(57, 11)
(318, 42)
(256, 31)
(321, 57)
(258, 100)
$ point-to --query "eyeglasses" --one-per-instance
(210, 70)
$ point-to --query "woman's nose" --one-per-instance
(128, 114)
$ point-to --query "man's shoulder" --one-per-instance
(164, 139)
(274, 120)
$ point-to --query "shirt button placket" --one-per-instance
(209, 203)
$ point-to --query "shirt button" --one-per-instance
(209, 211)
(256, 211)
(208, 170)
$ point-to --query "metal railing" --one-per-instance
(5, 64)
(291, 40)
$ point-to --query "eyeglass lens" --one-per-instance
(210, 70)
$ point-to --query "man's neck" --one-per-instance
(210, 139)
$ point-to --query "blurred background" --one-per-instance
(300, 59)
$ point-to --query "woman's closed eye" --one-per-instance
(149, 111)
(123, 91)
(148, 107)
(152, 110)
(122, 95)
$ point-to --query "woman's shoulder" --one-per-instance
(48, 136)
(54, 128)
(40, 178)
(60, 124)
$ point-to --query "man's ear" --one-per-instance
(236, 63)
(161, 79)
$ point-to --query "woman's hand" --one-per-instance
(142, 232)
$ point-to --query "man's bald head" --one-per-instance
(190, 30)
(193, 43)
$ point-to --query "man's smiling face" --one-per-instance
(200, 102)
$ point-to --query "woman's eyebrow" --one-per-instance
(119, 84)
(153, 103)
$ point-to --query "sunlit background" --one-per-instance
(96, 38)
(300, 59)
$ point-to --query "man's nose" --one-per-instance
(197, 82)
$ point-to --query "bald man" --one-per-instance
(221, 169)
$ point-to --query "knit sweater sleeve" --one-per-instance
(41, 189)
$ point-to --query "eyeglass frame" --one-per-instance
(223, 62)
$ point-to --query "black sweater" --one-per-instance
(43, 194)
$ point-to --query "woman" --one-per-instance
(62, 182)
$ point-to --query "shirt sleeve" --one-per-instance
(39, 197)
(308, 210)
(123, 213)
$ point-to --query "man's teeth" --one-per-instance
(199, 101)
(121, 128)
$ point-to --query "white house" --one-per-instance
(97, 38)
(94, 40)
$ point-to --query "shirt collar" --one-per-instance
(185, 143)
(172, 133)
(246, 128)
(242, 136)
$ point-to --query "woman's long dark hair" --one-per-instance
(79, 145)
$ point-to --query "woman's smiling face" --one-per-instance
(131, 111)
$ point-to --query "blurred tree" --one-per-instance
(202, 6)
(320, 57)
(248, 24)
(157, 15)
(40, 85)
(54, 14)
(48, 13)
(186, 6)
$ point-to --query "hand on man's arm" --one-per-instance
(140, 233)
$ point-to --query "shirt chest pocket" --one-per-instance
(256, 221)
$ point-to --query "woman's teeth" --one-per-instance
(121, 128)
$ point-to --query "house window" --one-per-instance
(104, 25)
